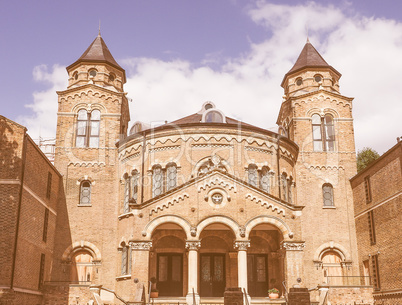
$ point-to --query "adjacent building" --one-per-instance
(377, 193)
(30, 190)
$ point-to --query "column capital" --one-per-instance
(241, 245)
(293, 245)
(141, 245)
(193, 245)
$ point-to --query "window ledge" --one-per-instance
(84, 205)
(123, 277)
(329, 207)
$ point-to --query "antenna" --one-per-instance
(308, 41)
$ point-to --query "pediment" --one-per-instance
(230, 188)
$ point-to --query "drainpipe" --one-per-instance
(24, 154)
(143, 167)
(278, 168)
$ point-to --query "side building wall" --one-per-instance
(377, 192)
(29, 188)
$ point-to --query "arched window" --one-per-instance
(171, 176)
(252, 175)
(88, 124)
(81, 268)
(85, 193)
(134, 186)
(264, 179)
(125, 259)
(284, 187)
(329, 133)
(290, 187)
(328, 195)
(126, 206)
(157, 181)
(213, 117)
(323, 133)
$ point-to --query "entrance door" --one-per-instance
(170, 274)
(212, 275)
(257, 275)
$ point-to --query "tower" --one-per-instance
(92, 115)
(318, 118)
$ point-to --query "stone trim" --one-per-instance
(241, 245)
(293, 246)
(141, 245)
(193, 245)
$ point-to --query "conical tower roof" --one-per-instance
(97, 52)
(309, 58)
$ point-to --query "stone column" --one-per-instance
(241, 247)
(193, 247)
(140, 266)
(294, 257)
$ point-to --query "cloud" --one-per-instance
(43, 121)
(247, 87)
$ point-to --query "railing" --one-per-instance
(348, 280)
(285, 291)
(54, 283)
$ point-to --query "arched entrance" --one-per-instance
(217, 260)
(264, 261)
(167, 261)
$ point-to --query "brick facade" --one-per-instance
(200, 204)
(378, 239)
(29, 185)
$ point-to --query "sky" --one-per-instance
(180, 53)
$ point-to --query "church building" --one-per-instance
(204, 202)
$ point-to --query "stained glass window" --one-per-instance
(157, 181)
(284, 187)
(171, 176)
(328, 194)
(134, 185)
(264, 180)
(252, 175)
(126, 207)
(85, 193)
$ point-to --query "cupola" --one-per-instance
(97, 66)
(310, 73)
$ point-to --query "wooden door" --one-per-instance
(212, 275)
(170, 274)
(257, 275)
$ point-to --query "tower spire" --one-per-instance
(99, 33)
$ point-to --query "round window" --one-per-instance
(111, 78)
(92, 73)
(76, 75)
(318, 78)
(208, 106)
(217, 198)
(299, 81)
